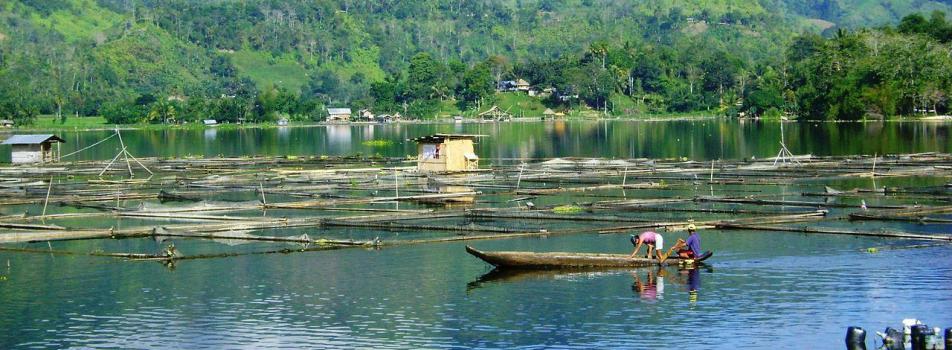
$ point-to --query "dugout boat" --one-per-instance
(554, 260)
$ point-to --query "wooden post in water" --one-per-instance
(396, 187)
(47, 201)
(519, 180)
(624, 176)
(261, 188)
(125, 154)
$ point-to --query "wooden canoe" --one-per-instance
(553, 260)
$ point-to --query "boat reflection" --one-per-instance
(499, 275)
(648, 282)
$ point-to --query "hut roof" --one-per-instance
(31, 139)
(522, 82)
(548, 111)
(438, 138)
(338, 111)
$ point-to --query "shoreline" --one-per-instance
(654, 119)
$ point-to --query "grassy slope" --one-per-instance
(51, 122)
(82, 22)
(879, 12)
(267, 70)
(519, 104)
(148, 57)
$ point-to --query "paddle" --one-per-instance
(664, 257)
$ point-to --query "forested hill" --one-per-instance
(162, 59)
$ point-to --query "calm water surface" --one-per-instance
(696, 140)
(761, 290)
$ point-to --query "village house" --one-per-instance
(210, 122)
(446, 152)
(522, 85)
(33, 148)
(514, 85)
(338, 114)
(6, 123)
(365, 115)
(387, 118)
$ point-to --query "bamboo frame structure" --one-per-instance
(324, 195)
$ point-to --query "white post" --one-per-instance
(47, 201)
(396, 188)
(519, 180)
(261, 188)
(624, 176)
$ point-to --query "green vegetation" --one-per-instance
(80, 20)
(267, 70)
(52, 122)
(176, 61)
(520, 104)
(377, 143)
(567, 209)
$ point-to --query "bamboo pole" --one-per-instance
(896, 234)
(47, 200)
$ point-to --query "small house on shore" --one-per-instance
(210, 122)
(338, 114)
(6, 123)
(33, 148)
(446, 152)
(514, 85)
(365, 115)
(522, 85)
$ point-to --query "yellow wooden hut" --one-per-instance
(446, 152)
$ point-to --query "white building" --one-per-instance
(338, 114)
(33, 148)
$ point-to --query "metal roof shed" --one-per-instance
(32, 148)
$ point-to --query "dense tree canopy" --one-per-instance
(166, 61)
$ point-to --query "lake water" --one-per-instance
(696, 140)
(760, 290)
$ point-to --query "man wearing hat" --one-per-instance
(692, 247)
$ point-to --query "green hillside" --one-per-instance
(267, 70)
(69, 57)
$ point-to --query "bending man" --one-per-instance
(654, 242)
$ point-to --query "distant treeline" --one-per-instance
(259, 60)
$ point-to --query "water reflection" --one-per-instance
(499, 275)
(338, 138)
(695, 140)
(694, 283)
(652, 287)
(647, 283)
(211, 134)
